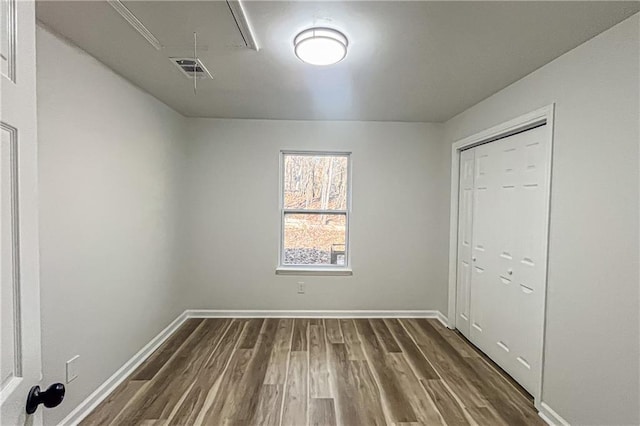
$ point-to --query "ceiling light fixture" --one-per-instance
(320, 46)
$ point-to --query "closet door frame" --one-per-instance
(539, 117)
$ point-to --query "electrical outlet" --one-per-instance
(300, 287)
(72, 368)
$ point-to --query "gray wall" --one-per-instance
(591, 354)
(398, 223)
(107, 162)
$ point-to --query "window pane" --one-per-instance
(317, 182)
(314, 239)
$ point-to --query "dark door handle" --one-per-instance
(52, 397)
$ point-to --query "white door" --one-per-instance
(20, 364)
(508, 252)
(465, 223)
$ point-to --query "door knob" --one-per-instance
(50, 398)
(510, 272)
(473, 258)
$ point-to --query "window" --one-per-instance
(315, 192)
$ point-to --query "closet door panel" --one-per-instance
(530, 268)
(465, 224)
(484, 195)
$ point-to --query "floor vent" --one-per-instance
(192, 67)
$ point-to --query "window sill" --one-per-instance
(296, 270)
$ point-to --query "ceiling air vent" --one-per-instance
(192, 67)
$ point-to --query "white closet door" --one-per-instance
(465, 224)
(508, 252)
(530, 255)
(484, 197)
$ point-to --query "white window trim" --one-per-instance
(329, 270)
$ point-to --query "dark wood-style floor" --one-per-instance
(316, 372)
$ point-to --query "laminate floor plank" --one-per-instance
(223, 403)
(318, 365)
(241, 400)
(322, 412)
(333, 330)
(296, 398)
(299, 340)
(346, 412)
(447, 363)
(451, 411)
(168, 385)
(369, 401)
(394, 399)
(186, 373)
(505, 399)
(248, 389)
(422, 404)
(455, 340)
(103, 414)
(277, 368)
(251, 334)
(269, 406)
(213, 369)
(159, 358)
(420, 365)
(357, 400)
(302, 372)
(384, 336)
(351, 340)
(485, 416)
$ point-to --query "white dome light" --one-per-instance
(320, 46)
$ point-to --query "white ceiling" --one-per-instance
(407, 61)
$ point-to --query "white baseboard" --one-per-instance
(215, 313)
(551, 417)
(443, 319)
(99, 395)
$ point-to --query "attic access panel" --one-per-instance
(174, 22)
